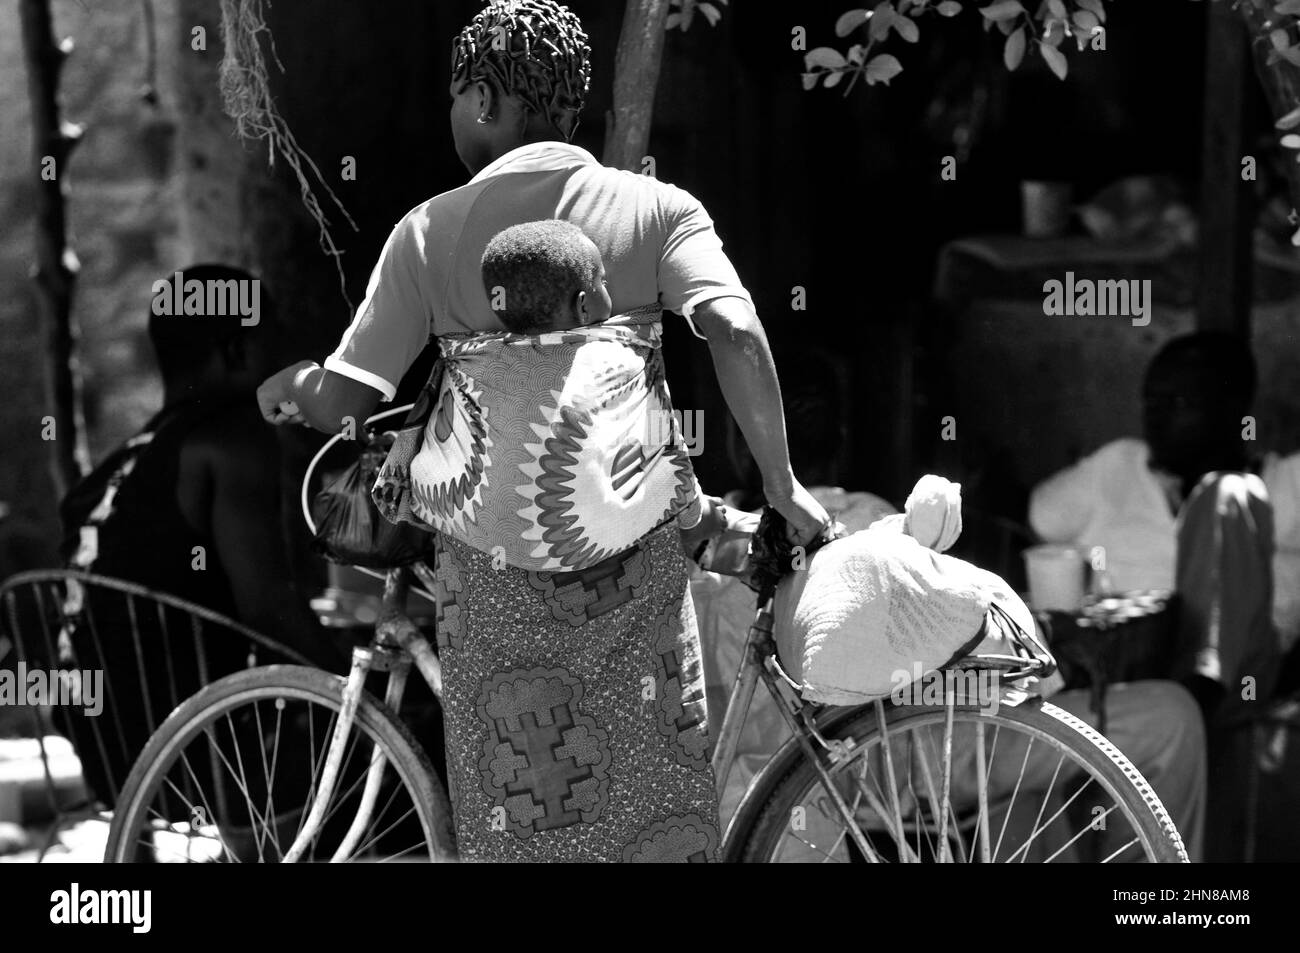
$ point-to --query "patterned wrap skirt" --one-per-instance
(575, 718)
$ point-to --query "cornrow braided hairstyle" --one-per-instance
(533, 49)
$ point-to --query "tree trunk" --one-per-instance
(636, 77)
(55, 271)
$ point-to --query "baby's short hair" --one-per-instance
(531, 271)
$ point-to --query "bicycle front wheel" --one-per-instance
(232, 775)
(1024, 783)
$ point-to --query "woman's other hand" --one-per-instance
(276, 395)
(804, 516)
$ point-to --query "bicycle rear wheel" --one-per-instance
(1029, 782)
(232, 774)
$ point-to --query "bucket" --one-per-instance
(1056, 576)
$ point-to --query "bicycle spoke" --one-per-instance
(982, 785)
(206, 806)
(377, 837)
(885, 743)
(1015, 792)
(948, 812)
(379, 814)
(1023, 850)
(1070, 843)
(243, 788)
(1125, 847)
(268, 771)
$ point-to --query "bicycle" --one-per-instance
(872, 783)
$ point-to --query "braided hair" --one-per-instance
(533, 49)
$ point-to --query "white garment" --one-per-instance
(1112, 499)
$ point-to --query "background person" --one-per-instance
(195, 512)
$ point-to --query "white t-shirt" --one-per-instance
(1112, 499)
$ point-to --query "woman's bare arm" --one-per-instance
(323, 399)
(746, 373)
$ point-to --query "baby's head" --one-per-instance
(545, 276)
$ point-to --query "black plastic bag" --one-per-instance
(349, 527)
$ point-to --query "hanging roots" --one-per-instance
(246, 94)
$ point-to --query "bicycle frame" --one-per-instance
(397, 644)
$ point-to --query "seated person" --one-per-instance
(191, 507)
(563, 422)
(1156, 724)
(1178, 510)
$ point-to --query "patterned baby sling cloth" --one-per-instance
(550, 452)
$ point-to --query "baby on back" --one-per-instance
(553, 445)
(545, 276)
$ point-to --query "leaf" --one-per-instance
(1014, 51)
(1291, 54)
(1095, 7)
(857, 53)
(688, 15)
(674, 20)
(711, 13)
(1086, 22)
(950, 8)
(1005, 27)
(850, 21)
(1288, 7)
(1279, 39)
(1055, 60)
(810, 80)
(825, 57)
(1289, 121)
(1004, 10)
(882, 18)
(1057, 8)
(882, 68)
(1291, 141)
(833, 79)
(906, 28)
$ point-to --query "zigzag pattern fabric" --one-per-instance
(551, 452)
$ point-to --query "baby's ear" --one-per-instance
(580, 311)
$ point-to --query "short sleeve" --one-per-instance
(694, 268)
(391, 327)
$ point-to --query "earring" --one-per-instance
(482, 121)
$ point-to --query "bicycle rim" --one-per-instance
(232, 775)
(1053, 791)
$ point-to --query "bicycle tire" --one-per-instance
(405, 754)
(1132, 792)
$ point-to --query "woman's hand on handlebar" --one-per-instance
(275, 395)
(804, 516)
